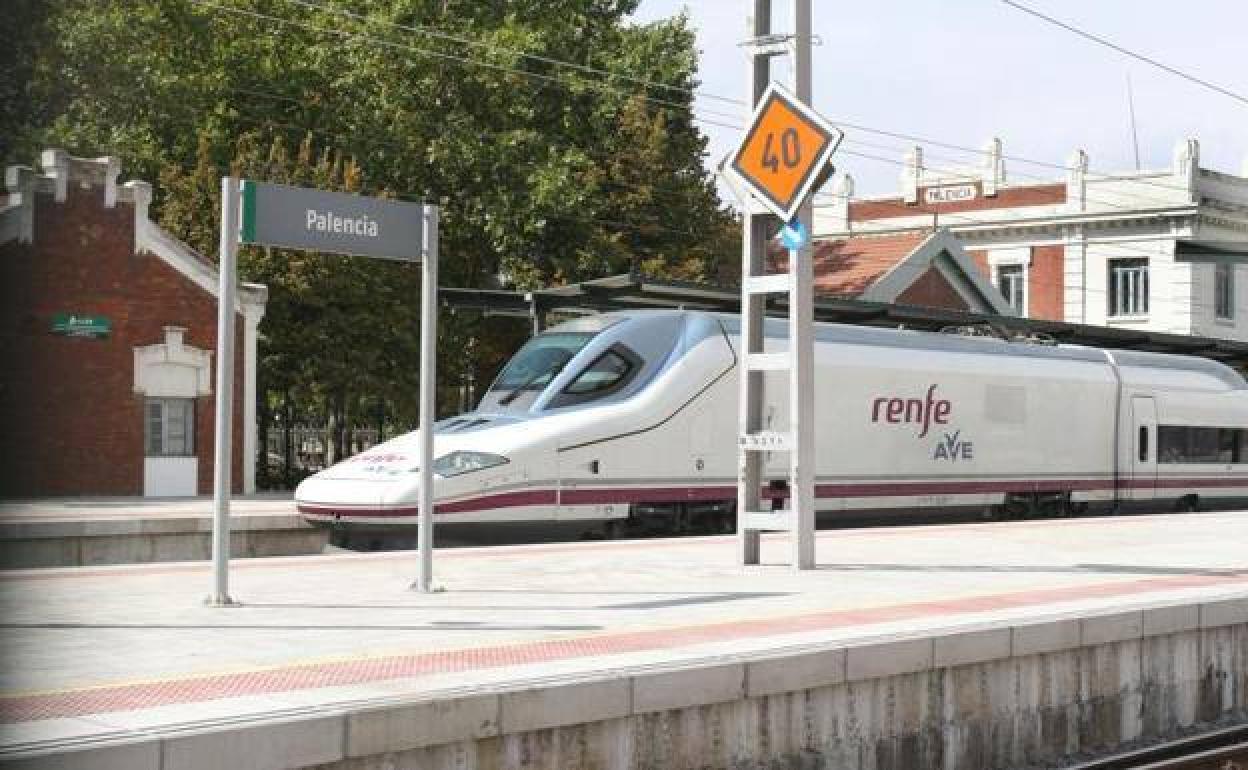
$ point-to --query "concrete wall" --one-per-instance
(132, 541)
(991, 697)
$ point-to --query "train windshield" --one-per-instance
(537, 363)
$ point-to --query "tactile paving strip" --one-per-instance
(99, 700)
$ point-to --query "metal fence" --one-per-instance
(309, 446)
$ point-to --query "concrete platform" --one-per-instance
(982, 645)
(93, 531)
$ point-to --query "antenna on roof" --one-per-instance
(1135, 137)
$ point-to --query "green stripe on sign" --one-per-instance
(247, 233)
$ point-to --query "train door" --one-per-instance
(1143, 448)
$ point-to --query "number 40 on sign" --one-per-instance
(785, 148)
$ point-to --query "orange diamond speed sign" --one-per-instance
(785, 148)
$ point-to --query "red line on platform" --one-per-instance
(101, 700)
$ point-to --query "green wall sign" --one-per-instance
(80, 325)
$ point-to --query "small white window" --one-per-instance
(169, 427)
(1128, 287)
(1224, 291)
(1011, 282)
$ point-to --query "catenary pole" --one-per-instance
(428, 391)
(754, 245)
(801, 334)
(225, 394)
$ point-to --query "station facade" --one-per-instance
(1142, 250)
(108, 331)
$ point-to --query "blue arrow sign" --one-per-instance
(794, 235)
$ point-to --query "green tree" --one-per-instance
(543, 173)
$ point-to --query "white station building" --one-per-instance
(1162, 250)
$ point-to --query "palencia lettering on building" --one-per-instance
(329, 222)
(959, 192)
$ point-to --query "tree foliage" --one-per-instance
(544, 173)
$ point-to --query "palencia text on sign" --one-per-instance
(341, 223)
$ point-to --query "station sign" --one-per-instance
(784, 151)
(80, 325)
(340, 223)
(950, 193)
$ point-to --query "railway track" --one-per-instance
(1225, 749)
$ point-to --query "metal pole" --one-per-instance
(428, 391)
(801, 335)
(225, 396)
(753, 249)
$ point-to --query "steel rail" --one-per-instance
(1224, 749)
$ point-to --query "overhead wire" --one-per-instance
(1127, 52)
(443, 35)
(1091, 173)
(451, 57)
(662, 102)
(636, 226)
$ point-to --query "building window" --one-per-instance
(1224, 291)
(169, 427)
(1128, 287)
(1011, 281)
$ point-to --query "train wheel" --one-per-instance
(1188, 504)
(613, 529)
(725, 522)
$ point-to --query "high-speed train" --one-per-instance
(634, 414)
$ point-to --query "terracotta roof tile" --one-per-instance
(848, 267)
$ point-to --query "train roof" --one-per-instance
(911, 339)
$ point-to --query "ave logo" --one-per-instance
(953, 448)
(923, 413)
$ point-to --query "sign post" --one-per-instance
(784, 153)
(221, 466)
(315, 220)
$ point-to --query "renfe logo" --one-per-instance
(913, 410)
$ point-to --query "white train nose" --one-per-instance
(318, 495)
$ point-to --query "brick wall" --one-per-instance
(1008, 197)
(70, 422)
(932, 290)
(1046, 283)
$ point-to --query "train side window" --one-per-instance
(1191, 444)
(1171, 444)
(1228, 445)
(1143, 443)
(608, 373)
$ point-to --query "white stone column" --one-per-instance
(141, 197)
(843, 192)
(911, 174)
(19, 183)
(1187, 165)
(994, 168)
(1077, 181)
(1075, 274)
(252, 315)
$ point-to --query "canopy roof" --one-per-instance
(624, 292)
